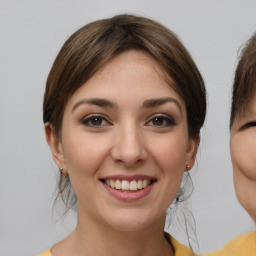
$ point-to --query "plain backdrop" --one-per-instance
(31, 34)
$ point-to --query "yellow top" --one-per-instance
(180, 249)
(243, 245)
(46, 253)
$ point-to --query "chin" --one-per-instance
(252, 213)
(131, 222)
(130, 227)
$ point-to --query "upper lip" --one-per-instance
(128, 177)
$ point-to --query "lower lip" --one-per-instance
(129, 196)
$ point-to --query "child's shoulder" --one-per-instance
(46, 253)
(244, 244)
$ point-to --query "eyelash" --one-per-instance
(165, 121)
(88, 121)
(248, 125)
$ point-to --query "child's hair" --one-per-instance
(245, 80)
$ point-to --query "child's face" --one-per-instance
(243, 154)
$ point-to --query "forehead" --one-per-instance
(136, 63)
(130, 72)
(247, 110)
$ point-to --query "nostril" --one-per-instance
(128, 147)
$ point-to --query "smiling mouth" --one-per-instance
(128, 186)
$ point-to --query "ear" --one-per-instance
(56, 147)
(191, 152)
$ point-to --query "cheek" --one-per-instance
(243, 156)
(84, 152)
(170, 153)
(84, 155)
(171, 160)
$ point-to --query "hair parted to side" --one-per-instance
(244, 85)
(93, 45)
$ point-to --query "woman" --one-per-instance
(242, 146)
(123, 108)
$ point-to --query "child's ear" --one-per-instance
(191, 152)
(56, 147)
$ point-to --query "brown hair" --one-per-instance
(89, 48)
(245, 80)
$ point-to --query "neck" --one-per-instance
(93, 238)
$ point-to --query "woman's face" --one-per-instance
(243, 154)
(124, 143)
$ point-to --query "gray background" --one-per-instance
(32, 32)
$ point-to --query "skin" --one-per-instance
(129, 137)
(243, 155)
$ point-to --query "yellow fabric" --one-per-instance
(46, 253)
(180, 249)
(243, 245)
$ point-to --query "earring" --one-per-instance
(61, 169)
(187, 167)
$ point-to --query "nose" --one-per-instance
(129, 147)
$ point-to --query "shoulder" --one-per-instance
(244, 244)
(179, 249)
(46, 253)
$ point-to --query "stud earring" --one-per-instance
(187, 167)
(61, 169)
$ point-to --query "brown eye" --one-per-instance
(95, 121)
(161, 121)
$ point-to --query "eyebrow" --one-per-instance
(151, 103)
(95, 101)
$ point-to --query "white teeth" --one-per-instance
(145, 183)
(133, 185)
(139, 184)
(118, 184)
(125, 185)
(112, 184)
